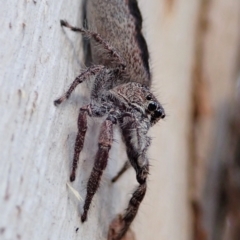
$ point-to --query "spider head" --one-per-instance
(154, 108)
(139, 98)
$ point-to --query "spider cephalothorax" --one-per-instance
(125, 102)
(138, 98)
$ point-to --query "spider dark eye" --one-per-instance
(148, 97)
(152, 106)
(159, 113)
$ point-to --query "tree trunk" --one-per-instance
(39, 60)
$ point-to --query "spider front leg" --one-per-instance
(137, 143)
(91, 71)
(105, 143)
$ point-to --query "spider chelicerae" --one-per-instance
(122, 101)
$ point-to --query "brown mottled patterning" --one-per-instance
(120, 23)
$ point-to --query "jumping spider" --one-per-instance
(125, 102)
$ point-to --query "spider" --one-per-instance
(121, 101)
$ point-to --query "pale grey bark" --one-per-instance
(38, 61)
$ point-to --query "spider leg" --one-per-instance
(137, 144)
(91, 71)
(134, 203)
(82, 129)
(105, 143)
(110, 49)
(90, 110)
(125, 167)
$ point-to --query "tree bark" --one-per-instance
(39, 60)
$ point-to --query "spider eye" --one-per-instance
(148, 97)
(159, 113)
(152, 106)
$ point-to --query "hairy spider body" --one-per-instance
(121, 94)
(120, 23)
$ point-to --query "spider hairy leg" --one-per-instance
(124, 168)
(132, 209)
(90, 110)
(137, 143)
(133, 205)
(82, 129)
(105, 143)
(96, 36)
(91, 71)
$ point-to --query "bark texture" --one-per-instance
(193, 183)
